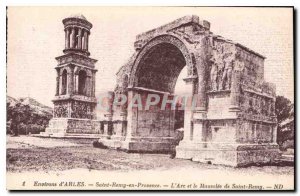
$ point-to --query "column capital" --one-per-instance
(67, 28)
(190, 79)
(72, 67)
(200, 114)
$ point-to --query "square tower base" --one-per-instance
(66, 127)
(235, 155)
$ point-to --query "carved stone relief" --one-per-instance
(81, 110)
(61, 110)
(222, 63)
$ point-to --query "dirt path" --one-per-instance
(45, 154)
(27, 142)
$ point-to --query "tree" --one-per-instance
(284, 110)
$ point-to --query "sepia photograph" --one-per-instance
(150, 98)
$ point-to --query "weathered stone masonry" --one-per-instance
(75, 101)
(233, 122)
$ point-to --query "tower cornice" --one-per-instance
(77, 21)
(75, 58)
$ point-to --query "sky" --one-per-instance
(36, 37)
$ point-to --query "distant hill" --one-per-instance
(39, 108)
(26, 115)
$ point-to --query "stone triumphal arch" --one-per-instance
(232, 121)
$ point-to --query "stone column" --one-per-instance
(85, 37)
(93, 82)
(73, 38)
(57, 82)
(123, 116)
(87, 41)
(235, 91)
(199, 114)
(186, 148)
(76, 84)
(201, 96)
(60, 84)
(79, 38)
(201, 65)
(131, 118)
(108, 126)
(88, 86)
(120, 120)
(67, 39)
(91, 85)
(71, 80)
(188, 109)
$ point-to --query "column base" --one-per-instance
(165, 145)
(234, 108)
(235, 155)
(71, 127)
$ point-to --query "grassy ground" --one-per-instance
(26, 153)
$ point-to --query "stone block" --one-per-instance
(164, 145)
(235, 155)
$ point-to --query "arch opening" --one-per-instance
(157, 73)
(160, 67)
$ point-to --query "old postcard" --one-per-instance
(150, 98)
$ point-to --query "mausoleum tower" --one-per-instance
(74, 101)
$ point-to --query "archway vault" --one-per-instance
(160, 67)
(158, 64)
